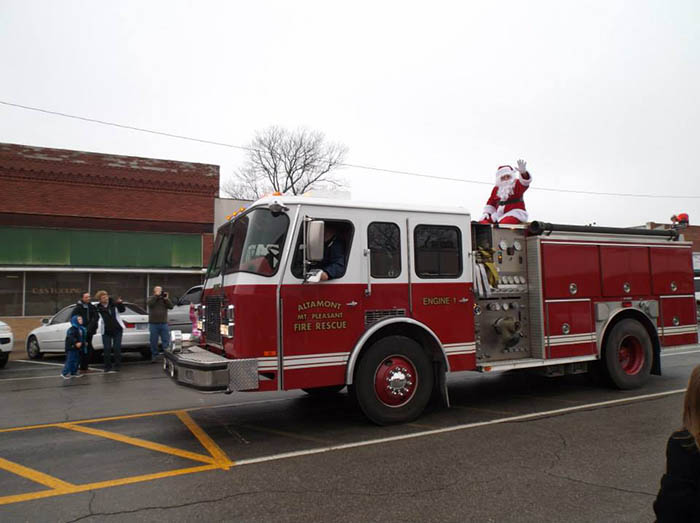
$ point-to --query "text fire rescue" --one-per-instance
(302, 325)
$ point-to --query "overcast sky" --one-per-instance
(596, 96)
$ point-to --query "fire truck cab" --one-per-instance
(423, 292)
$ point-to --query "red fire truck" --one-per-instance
(424, 292)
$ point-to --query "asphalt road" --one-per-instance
(134, 447)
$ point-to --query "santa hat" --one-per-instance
(504, 169)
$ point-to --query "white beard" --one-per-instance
(505, 189)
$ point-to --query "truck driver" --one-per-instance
(333, 264)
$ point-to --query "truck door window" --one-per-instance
(344, 232)
(384, 243)
(438, 251)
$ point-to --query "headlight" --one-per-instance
(5, 329)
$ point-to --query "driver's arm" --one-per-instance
(335, 266)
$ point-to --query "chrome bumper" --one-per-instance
(198, 368)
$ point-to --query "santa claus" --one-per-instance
(506, 204)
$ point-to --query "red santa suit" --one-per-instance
(506, 204)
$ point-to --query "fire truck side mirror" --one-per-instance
(314, 240)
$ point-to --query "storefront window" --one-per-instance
(174, 284)
(47, 292)
(127, 285)
(10, 293)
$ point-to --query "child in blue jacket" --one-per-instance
(75, 339)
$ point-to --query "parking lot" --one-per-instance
(513, 447)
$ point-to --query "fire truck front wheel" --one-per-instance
(393, 380)
(628, 354)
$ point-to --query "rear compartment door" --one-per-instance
(625, 270)
(570, 330)
(678, 320)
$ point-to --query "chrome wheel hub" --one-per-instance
(399, 381)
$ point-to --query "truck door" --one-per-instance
(441, 280)
(322, 321)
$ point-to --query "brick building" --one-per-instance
(73, 221)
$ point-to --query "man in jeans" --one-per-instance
(158, 306)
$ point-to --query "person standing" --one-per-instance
(75, 340)
(679, 496)
(158, 306)
(111, 327)
(88, 312)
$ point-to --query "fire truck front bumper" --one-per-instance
(200, 369)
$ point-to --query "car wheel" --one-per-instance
(145, 354)
(33, 350)
(4, 356)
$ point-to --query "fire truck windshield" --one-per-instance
(256, 242)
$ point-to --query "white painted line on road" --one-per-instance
(52, 364)
(41, 362)
(522, 417)
(681, 353)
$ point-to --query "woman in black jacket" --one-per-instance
(679, 496)
(111, 327)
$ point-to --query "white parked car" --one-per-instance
(179, 316)
(6, 342)
(51, 336)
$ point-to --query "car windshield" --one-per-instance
(256, 244)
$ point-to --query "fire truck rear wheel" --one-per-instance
(393, 380)
(628, 355)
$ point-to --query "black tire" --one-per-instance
(33, 350)
(145, 354)
(324, 392)
(384, 356)
(4, 356)
(628, 355)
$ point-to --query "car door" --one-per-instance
(53, 336)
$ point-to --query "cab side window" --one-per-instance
(438, 251)
(384, 243)
(341, 241)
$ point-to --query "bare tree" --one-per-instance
(291, 162)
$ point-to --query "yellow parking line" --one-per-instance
(92, 420)
(216, 452)
(34, 475)
(138, 442)
(16, 498)
(146, 477)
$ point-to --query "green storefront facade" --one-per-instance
(42, 270)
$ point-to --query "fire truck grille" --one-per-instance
(374, 316)
(213, 319)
